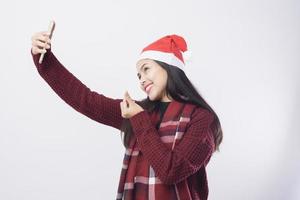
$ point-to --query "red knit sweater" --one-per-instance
(187, 163)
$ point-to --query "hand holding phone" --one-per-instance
(50, 32)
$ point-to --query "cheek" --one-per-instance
(163, 79)
(161, 82)
(159, 78)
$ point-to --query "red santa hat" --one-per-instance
(171, 49)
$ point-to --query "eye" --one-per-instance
(145, 68)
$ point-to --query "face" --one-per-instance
(153, 79)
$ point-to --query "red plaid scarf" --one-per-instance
(142, 179)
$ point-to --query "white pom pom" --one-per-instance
(187, 55)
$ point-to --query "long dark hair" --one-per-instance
(181, 89)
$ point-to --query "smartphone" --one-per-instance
(50, 31)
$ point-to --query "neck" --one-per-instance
(166, 99)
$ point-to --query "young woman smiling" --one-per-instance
(169, 136)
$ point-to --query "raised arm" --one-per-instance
(96, 106)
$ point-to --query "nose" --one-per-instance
(142, 82)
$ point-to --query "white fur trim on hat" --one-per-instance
(168, 58)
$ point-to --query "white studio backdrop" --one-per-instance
(245, 63)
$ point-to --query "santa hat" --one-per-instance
(171, 49)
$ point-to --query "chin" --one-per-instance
(152, 98)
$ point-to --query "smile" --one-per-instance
(148, 88)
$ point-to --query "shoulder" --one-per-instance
(202, 116)
(200, 112)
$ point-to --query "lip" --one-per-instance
(147, 86)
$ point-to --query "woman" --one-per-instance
(169, 136)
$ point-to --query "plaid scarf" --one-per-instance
(137, 177)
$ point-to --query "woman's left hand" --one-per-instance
(128, 107)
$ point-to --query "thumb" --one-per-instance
(128, 98)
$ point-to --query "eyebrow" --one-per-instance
(141, 69)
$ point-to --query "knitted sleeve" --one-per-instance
(93, 105)
(191, 153)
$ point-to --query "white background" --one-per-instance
(245, 63)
